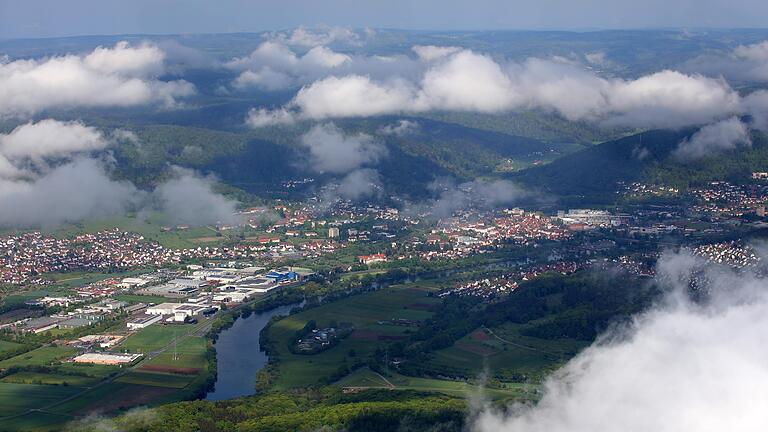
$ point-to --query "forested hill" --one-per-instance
(595, 172)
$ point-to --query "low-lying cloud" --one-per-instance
(189, 198)
(681, 366)
(54, 172)
(463, 80)
(330, 150)
(715, 138)
(476, 194)
(118, 76)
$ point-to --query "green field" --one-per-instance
(49, 378)
(504, 353)
(363, 311)
(189, 352)
(7, 345)
(39, 357)
(86, 369)
(364, 377)
(17, 398)
(36, 421)
(150, 228)
(152, 338)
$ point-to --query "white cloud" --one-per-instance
(50, 138)
(468, 81)
(331, 151)
(682, 366)
(143, 60)
(713, 139)
(744, 63)
(401, 128)
(274, 66)
(352, 96)
(74, 191)
(360, 183)
(263, 117)
(189, 198)
(432, 52)
(120, 76)
(265, 78)
(597, 58)
(322, 35)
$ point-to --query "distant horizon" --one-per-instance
(413, 30)
(36, 19)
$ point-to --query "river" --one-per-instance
(238, 356)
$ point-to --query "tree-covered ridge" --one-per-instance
(306, 410)
(647, 157)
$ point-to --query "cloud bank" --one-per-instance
(54, 172)
(330, 150)
(682, 366)
(120, 76)
(189, 198)
(713, 139)
(463, 80)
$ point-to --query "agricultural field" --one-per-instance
(505, 353)
(8, 346)
(188, 354)
(151, 228)
(410, 302)
(152, 338)
(366, 378)
(17, 398)
(39, 357)
(49, 379)
(114, 396)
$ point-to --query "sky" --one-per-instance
(51, 18)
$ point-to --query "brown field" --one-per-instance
(206, 239)
(480, 335)
(129, 397)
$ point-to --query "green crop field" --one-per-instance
(364, 377)
(87, 369)
(150, 228)
(49, 378)
(363, 311)
(7, 345)
(153, 338)
(36, 421)
(39, 357)
(189, 352)
(17, 398)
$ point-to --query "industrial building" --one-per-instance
(107, 358)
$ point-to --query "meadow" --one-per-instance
(366, 378)
(39, 357)
(364, 311)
